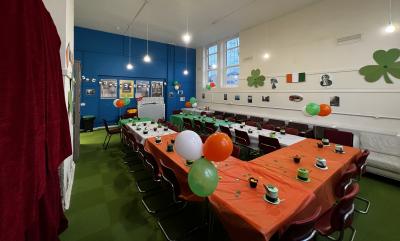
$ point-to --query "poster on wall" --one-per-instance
(335, 101)
(326, 80)
(108, 89)
(143, 88)
(274, 82)
(90, 91)
(225, 96)
(157, 88)
(265, 99)
(126, 89)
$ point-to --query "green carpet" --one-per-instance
(106, 206)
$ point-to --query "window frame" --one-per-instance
(225, 57)
(207, 67)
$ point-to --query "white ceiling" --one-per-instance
(209, 20)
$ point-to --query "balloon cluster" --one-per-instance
(210, 85)
(191, 103)
(203, 176)
(119, 103)
(313, 109)
(177, 86)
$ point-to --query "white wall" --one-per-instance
(62, 13)
(305, 41)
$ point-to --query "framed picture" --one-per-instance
(203, 95)
(249, 99)
(108, 89)
(265, 98)
(171, 94)
(225, 96)
(143, 88)
(90, 91)
(182, 98)
(126, 89)
(157, 88)
(335, 101)
(237, 97)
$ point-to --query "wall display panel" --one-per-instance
(126, 89)
(157, 88)
(143, 88)
(108, 89)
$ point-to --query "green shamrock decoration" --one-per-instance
(256, 79)
(386, 65)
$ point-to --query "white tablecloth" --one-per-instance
(284, 140)
(195, 111)
(141, 138)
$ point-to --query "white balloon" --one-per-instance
(188, 145)
(194, 105)
(305, 111)
(115, 102)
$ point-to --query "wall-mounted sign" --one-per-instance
(274, 82)
(265, 99)
(90, 91)
(126, 89)
(296, 98)
(335, 101)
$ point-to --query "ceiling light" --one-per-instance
(214, 66)
(186, 38)
(129, 66)
(185, 72)
(147, 58)
(266, 56)
(390, 28)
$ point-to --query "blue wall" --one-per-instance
(105, 55)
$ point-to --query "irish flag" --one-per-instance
(296, 78)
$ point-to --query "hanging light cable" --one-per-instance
(186, 37)
(129, 66)
(186, 71)
(390, 28)
(147, 58)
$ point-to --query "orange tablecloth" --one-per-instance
(242, 209)
(322, 181)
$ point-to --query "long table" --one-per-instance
(242, 209)
(177, 120)
(195, 111)
(139, 127)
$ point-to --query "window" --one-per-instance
(231, 68)
(212, 63)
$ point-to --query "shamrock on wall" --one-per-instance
(256, 79)
(387, 66)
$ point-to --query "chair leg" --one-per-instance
(105, 143)
(367, 202)
(109, 139)
(341, 235)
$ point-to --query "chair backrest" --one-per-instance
(226, 115)
(345, 181)
(174, 128)
(161, 120)
(361, 162)
(176, 112)
(269, 141)
(256, 119)
(299, 126)
(170, 179)
(242, 137)
(292, 131)
(225, 130)
(198, 125)
(106, 125)
(265, 149)
(251, 123)
(241, 118)
(187, 123)
(203, 113)
(231, 119)
(302, 229)
(339, 137)
(236, 151)
(268, 126)
(319, 131)
(342, 214)
(218, 113)
(210, 127)
(277, 123)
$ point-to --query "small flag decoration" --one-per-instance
(296, 78)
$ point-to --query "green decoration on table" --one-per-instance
(312, 109)
(203, 178)
(193, 100)
(256, 79)
(386, 65)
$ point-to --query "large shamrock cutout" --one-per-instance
(386, 65)
(256, 79)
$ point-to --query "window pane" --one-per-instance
(232, 76)
(213, 49)
(212, 61)
(212, 76)
(232, 43)
(232, 57)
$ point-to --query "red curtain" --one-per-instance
(34, 131)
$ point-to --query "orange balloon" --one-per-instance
(188, 104)
(217, 147)
(324, 110)
(120, 103)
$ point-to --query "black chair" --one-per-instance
(361, 164)
(109, 132)
(303, 129)
(198, 126)
(150, 183)
(176, 112)
(274, 142)
(187, 124)
(339, 137)
(256, 119)
(226, 130)
(277, 123)
(241, 118)
(210, 127)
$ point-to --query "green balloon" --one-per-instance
(312, 109)
(192, 100)
(208, 86)
(127, 101)
(203, 178)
